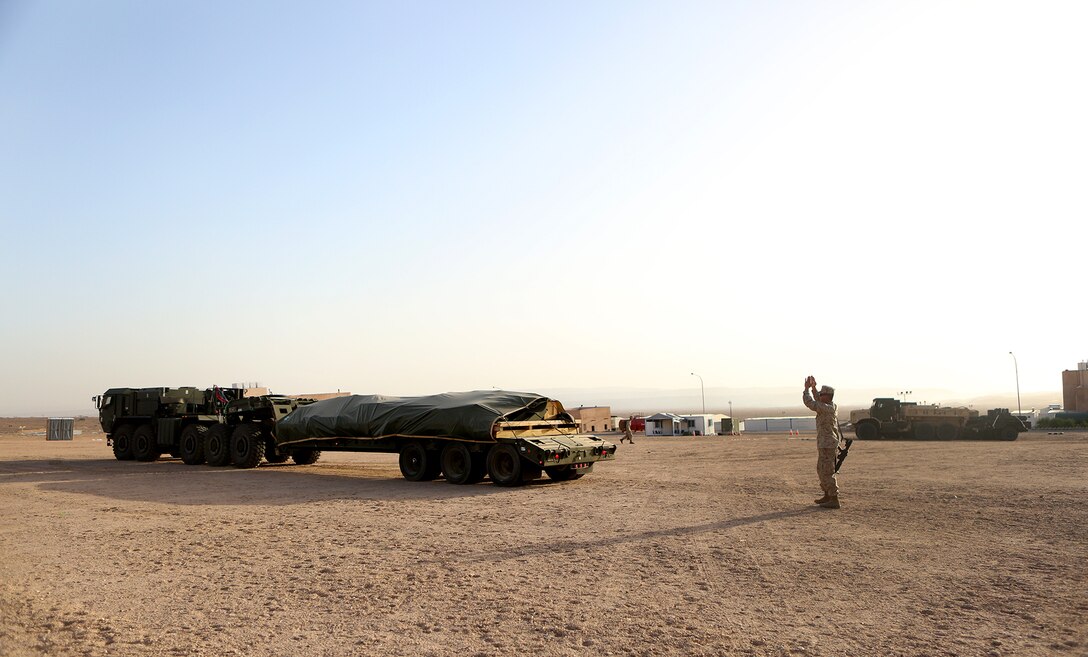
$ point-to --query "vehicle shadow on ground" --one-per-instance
(551, 547)
(172, 482)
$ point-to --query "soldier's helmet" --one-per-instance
(827, 390)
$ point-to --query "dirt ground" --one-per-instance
(682, 546)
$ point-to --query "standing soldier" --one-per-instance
(827, 439)
(627, 435)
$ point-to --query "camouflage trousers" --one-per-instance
(825, 467)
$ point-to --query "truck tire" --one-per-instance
(191, 444)
(273, 455)
(867, 431)
(305, 456)
(947, 431)
(217, 445)
(122, 442)
(504, 465)
(144, 447)
(247, 445)
(1007, 433)
(460, 465)
(925, 431)
(418, 463)
(564, 473)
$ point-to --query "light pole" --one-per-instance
(702, 391)
(1016, 368)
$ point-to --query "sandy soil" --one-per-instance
(683, 546)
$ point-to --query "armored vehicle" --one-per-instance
(891, 418)
(511, 437)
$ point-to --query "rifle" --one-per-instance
(844, 451)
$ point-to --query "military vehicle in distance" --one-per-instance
(891, 418)
(509, 436)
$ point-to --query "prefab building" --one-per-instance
(778, 424)
(663, 424)
(698, 425)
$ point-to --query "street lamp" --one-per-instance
(1016, 368)
(702, 391)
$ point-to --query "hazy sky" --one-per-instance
(414, 197)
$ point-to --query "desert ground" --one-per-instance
(682, 546)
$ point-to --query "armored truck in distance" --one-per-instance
(510, 437)
(891, 418)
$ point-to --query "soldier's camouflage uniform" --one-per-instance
(827, 441)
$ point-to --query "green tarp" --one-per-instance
(465, 415)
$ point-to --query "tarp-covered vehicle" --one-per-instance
(509, 436)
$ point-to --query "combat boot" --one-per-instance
(831, 503)
(823, 499)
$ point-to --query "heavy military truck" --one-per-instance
(891, 418)
(509, 436)
(143, 423)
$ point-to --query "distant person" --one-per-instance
(827, 439)
(627, 435)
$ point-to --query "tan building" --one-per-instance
(1075, 389)
(592, 419)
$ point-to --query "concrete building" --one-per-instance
(592, 419)
(1075, 388)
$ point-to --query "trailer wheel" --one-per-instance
(925, 431)
(305, 456)
(504, 465)
(247, 446)
(867, 431)
(530, 472)
(563, 473)
(144, 447)
(947, 431)
(122, 442)
(191, 447)
(457, 463)
(417, 463)
(273, 455)
(217, 445)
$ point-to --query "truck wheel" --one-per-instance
(122, 442)
(458, 464)
(1007, 433)
(191, 447)
(867, 431)
(504, 465)
(925, 431)
(417, 463)
(947, 431)
(247, 446)
(144, 447)
(217, 445)
(305, 456)
(563, 473)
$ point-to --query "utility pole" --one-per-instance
(702, 391)
(1016, 368)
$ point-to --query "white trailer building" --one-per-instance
(778, 424)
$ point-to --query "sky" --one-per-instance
(415, 197)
